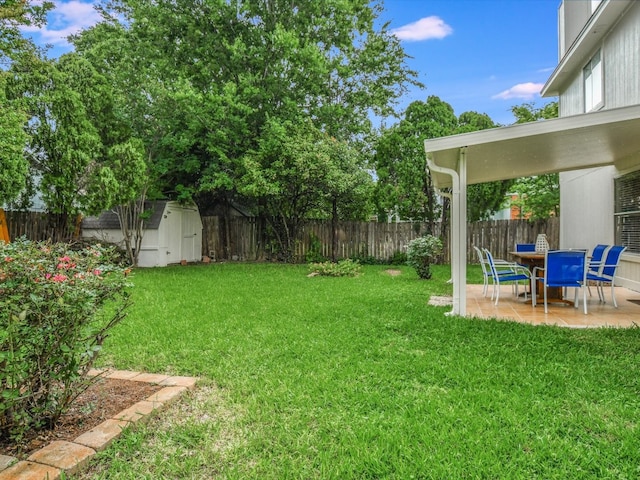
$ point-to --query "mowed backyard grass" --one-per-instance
(359, 378)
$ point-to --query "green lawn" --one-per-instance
(358, 378)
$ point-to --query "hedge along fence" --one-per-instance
(242, 238)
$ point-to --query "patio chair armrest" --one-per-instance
(520, 269)
(535, 271)
(507, 268)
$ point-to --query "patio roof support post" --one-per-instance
(458, 228)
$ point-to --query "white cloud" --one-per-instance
(67, 18)
(424, 29)
(524, 91)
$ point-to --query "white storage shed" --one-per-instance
(172, 234)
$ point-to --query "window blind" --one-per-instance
(627, 211)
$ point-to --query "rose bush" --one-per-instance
(57, 304)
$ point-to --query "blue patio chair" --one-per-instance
(485, 272)
(509, 272)
(525, 247)
(598, 253)
(486, 269)
(562, 269)
(607, 272)
(596, 261)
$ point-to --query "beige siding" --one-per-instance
(571, 101)
(628, 274)
(622, 61)
(576, 13)
(586, 207)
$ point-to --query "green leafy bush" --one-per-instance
(56, 306)
(314, 254)
(421, 251)
(398, 258)
(344, 268)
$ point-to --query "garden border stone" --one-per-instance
(70, 457)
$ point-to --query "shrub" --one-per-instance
(314, 254)
(421, 251)
(398, 258)
(56, 306)
(344, 268)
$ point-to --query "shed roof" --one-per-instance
(108, 220)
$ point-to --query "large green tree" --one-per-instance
(83, 158)
(298, 172)
(13, 15)
(13, 138)
(538, 197)
(404, 185)
(213, 78)
(63, 141)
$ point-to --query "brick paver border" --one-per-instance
(69, 457)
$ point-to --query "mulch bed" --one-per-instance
(101, 401)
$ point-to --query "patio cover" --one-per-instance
(607, 137)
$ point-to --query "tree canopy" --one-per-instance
(209, 84)
(404, 185)
(13, 138)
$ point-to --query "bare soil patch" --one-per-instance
(392, 272)
(101, 401)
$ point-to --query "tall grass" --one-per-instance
(352, 378)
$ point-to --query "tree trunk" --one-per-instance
(334, 230)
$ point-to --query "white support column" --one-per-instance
(461, 266)
(458, 229)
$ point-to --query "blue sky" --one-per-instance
(480, 55)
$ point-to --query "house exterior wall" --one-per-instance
(583, 200)
(573, 16)
(622, 61)
(587, 196)
(571, 101)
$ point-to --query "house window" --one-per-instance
(627, 211)
(592, 74)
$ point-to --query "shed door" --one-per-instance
(191, 235)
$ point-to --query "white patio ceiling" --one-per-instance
(607, 137)
(602, 138)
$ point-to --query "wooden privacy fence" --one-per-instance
(40, 226)
(242, 239)
(500, 236)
